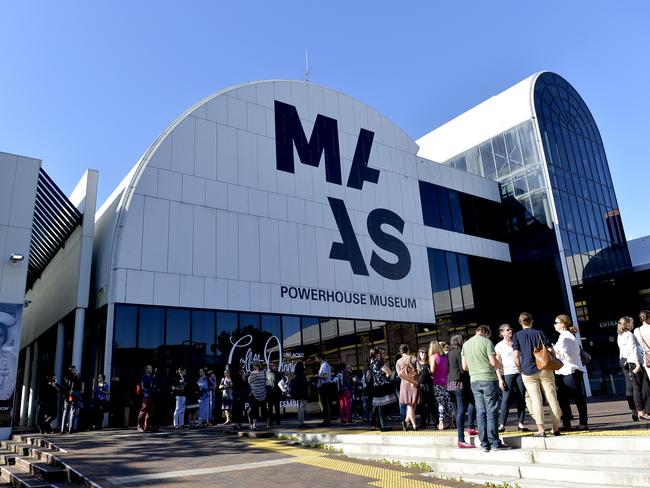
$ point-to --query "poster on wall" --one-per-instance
(10, 320)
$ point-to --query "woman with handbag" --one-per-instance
(642, 335)
(409, 389)
(428, 407)
(439, 364)
(631, 362)
(569, 378)
(528, 344)
(383, 393)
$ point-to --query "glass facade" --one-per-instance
(460, 212)
(169, 337)
(589, 218)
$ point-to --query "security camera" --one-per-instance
(16, 258)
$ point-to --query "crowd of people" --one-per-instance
(468, 385)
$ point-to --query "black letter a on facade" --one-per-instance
(348, 250)
(324, 138)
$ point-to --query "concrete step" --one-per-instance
(44, 471)
(527, 483)
(18, 478)
(429, 454)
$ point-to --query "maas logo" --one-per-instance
(324, 139)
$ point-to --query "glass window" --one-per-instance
(454, 282)
(271, 324)
(487, 160)
(126, 326)
(500, 156)
(461, 163)
(465, 281)
(444, 208)
(473, 161)
(439, 281)
(534, 177)
(514, 150)
(528, 144)
(310, 331)
(328, 329)
(178, 326)
(203, 329)
(249, 321)
(456, 214)
(540, 207)
(520, 184)
(429, 200)
(291, 336)
(151, 330)
(226, 328)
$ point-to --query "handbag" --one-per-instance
(646, 350)
(545, 359)
(585, 357)
(410, 374)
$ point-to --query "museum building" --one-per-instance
(279, 219)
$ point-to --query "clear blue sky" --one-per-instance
(92, 84)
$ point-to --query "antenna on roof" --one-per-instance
(306, 78)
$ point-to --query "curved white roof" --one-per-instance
(491, 117)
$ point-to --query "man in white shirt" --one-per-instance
(323, 385)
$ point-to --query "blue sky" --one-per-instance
(92, 84)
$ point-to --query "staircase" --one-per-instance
(32, 462)
(560, 462)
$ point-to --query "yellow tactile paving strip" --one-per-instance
(385, 477)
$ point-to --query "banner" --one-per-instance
(10, 321)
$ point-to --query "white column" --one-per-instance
(33, 385)
(78, 339)
(58, 365)
(24, 396)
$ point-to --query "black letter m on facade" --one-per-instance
(324, 138)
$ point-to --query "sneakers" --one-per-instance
(465, 445)
(502, 428)
(503, 447)
(485, 449)
(471, 431)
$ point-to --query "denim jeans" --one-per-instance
(486, 397)
(464, 404)
(515, 390)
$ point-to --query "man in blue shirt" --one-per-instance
(523, 344)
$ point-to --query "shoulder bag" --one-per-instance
(410, 374)
(545, 359)
(646, 349)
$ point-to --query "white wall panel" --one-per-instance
(166, 289)
(148, 184)
(183, 147)
(204, 261)
(139, 287)
(249, 248)
(227, 245)
(216, 293)
(269, 251)
(246, 159)
(131, 255)
(192, 291)
(226, 153)
(155, 234)
(170, 185)
(193, 190)
(205, 159)
(181, 236)
(216, 194)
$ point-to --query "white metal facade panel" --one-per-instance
(236, 230)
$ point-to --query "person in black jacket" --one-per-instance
(49, 407)
(298, 390)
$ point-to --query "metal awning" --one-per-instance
(55, 218)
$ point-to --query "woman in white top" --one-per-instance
(569, 378)
(642, 335)
(631, 358)
(510, 381)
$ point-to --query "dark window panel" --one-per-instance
(151, 331)
(204, 329)
(487, 160)
(177, 327)
(126, 326)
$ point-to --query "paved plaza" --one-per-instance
(217, 456)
